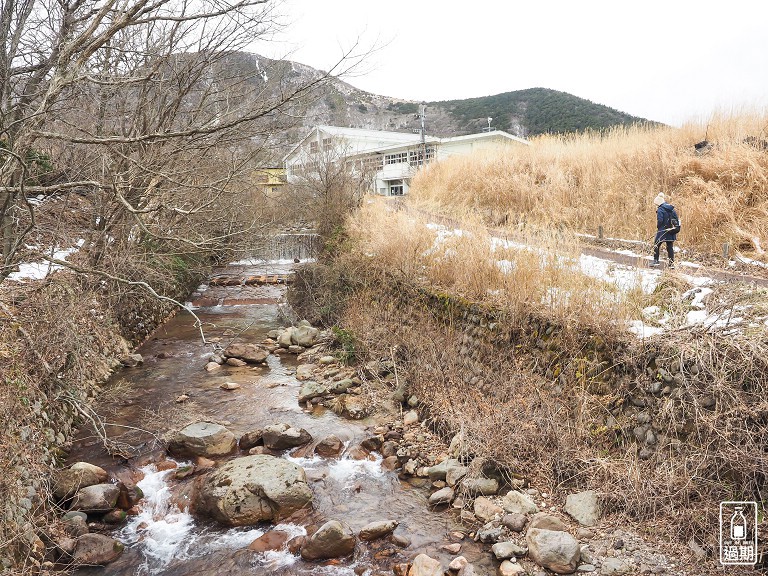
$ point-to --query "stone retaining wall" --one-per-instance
(638, 421)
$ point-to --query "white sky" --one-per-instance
(669, 61)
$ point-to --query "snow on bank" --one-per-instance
(694, 310)
(39, 270)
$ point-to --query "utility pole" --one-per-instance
(422, 117)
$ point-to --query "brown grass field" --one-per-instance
(581, 182)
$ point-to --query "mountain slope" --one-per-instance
(534, 111)
(335, 102)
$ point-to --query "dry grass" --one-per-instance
(585, 181)
(539, 272)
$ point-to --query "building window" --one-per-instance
(396, 188)
(313, 147)
(416, 157)
(398, 158)
(326, 143)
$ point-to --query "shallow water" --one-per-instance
(168, 541)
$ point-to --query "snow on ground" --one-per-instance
(622, 276)
(39, 270)
(654, 320)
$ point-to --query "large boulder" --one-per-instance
(80, 475)
(284, 436)
(99, 498)
(247, 352)
(285, 339)
(202, 439)
(329, 447)
(305, 336)
(553, 550)
(254, 489)
(332, 540)
(583, 507)
(97, 550)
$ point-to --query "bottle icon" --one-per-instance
(738, 525)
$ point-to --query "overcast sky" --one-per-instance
(669, 61)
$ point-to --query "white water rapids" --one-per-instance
(163, 533)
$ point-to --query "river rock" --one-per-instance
(212, 367)
(251, 353)
(508, 568)
(490, 533)
(131, 360)
(250, 439)
(518, 503)
(254, 489)
(76, 523)
(442, 496)
(423, 565)
(229, 386)
(98, 498)
(272, 540)
(329, 447)
(284, 340)
(67, 482)
(481, 486)
(457, 563)
(284, 436)
(583, 507)
(439, 471)
(202, 439)
(97, 550)
(115, 517)
(332, 540)
(379, 529)
(410, 418)
(236, 362)
(454, 472)
(547, 522)
(304, 372)
(515, 522)
(305, 336)
(486, 509)
(554, 550)
(504, 550)
(614, 567)
(311, 389)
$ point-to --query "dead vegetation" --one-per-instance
(608, 180)
(557, 392)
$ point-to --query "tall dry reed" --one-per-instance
(539, 271)
(581, 182)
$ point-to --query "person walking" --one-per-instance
(667, 227)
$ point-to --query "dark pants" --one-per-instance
(670, 251)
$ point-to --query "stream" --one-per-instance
(164, 538)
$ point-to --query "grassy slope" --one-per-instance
(610, 180)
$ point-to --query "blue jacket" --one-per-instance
(664, 214)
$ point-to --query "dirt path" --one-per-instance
(631, 260)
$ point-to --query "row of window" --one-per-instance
(412, 157)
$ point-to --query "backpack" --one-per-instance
(674, 222)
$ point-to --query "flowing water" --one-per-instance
(164, 538)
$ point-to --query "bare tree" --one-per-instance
(330, 184)
(150, 109)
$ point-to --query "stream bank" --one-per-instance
(175, 385)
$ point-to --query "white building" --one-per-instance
(390, 158)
